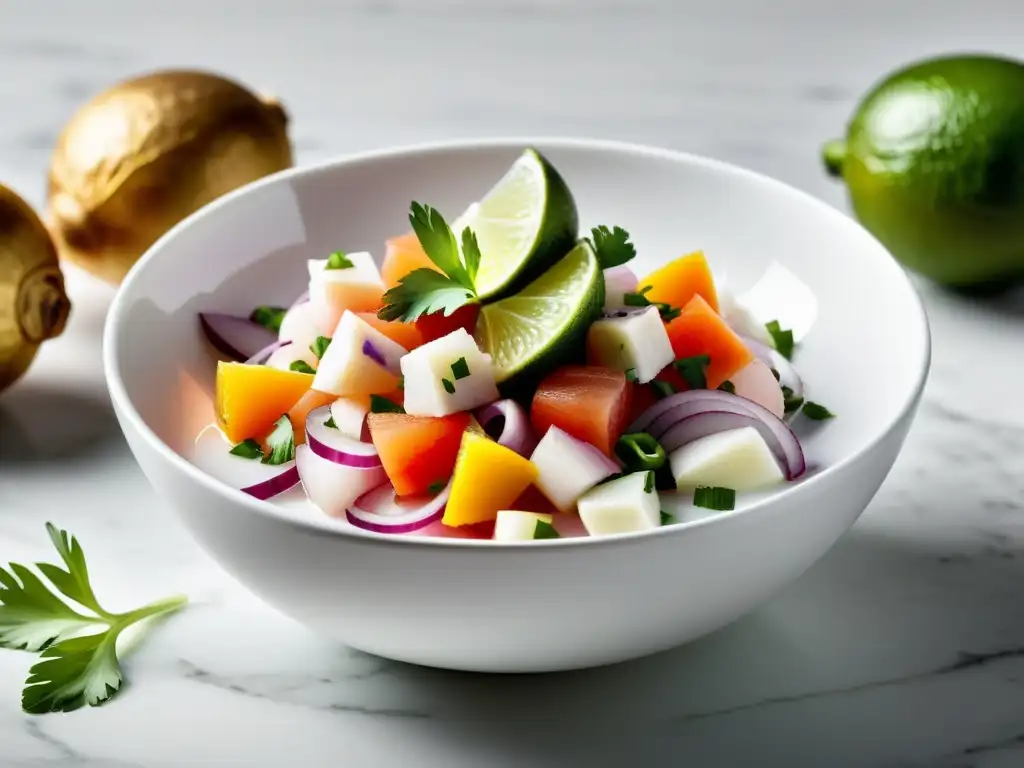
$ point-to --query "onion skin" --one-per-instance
(33, 304)
(146, 153)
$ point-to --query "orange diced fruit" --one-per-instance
(418, 452)
(488, 478)
(680, 280)
(406, 334)
(250, 398)
(402, 255)
(699, 330)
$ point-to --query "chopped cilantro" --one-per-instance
(460, 369)
(639, 299)
(436, 487)
(449, 387)
(666, 518)
(281, 442)
(545, 531)
(662, 389)
(320, 346)
(338, 260)
(301, 366)
(248, 449)
(719, 499)
(268, 317)
(783, 339)
(612, 246)
(381, 404)
(330, 423)
(790, 402)
(693, 370)
(649, 482)
(631, 375)
(817, 412)
(727, 386)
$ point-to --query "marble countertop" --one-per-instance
(904, 646)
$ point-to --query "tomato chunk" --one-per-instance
(418, 452)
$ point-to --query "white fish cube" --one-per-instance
(333, 291)
(623, 505)
(567, 467)
(513, 525)
(635, 340)
(448, 375)
(737, 458)
(359, 361)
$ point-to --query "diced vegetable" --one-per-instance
(635, 341)
(588, 402)
(679, 281)
(331, 486)
(405, 334)
(699, 330)
(488, 477)
(738, 459)
(618, 281)
(359, 361)
(349, 416)
(438, 325)
(756, 382)
(568, 467)
(298, 412)
(402, 255)
(507, 422)
(623, 505)
(513, 525)
(418, 452)
(250, 398)
(448, 375)
(332, 292)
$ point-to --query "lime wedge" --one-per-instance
(523, 225)
(544, 325)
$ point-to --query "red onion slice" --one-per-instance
(788, 377)
(334, 487)
(662, 422)
(505, 421)
(237, 337)
(381, 511)
(264, 354)
(335, 446)
(212, 454)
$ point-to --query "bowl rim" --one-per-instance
(127, 412)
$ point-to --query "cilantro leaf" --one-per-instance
(470, 254)
(783, 339)
(248, 449)
(424, 292)
(268, 317)
(301, 366)
(31, 616)
(330, 423)
(439, 242)
(381, 404)
(281, 442)
(74, 669)
(666, 518)
(612, 246)
(545, 530)
(817, 412)
(693, 370)
(320, 346)
(639, 299)
(718, 499)
(460, 368)
(338, 260)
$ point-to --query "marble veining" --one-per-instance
(903, 647)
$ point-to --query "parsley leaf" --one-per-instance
(301, 366)
(639, 299)
(790, 402)
(330, 423)
(338, 260)
(424, 291)
(460, 369)
(783, 339)
(693, 370)
(545, 531)
(74, 669)
(666, 518)
(268, 317)
(817, 412)
(381, 404)
(612, 246)
(449, 387)
(281, 442)
(320, 346)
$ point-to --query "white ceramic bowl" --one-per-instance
(480, 605)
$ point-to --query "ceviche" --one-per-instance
(503, 377)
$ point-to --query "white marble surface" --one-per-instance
(903, 647)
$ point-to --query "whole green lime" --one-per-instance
(934, 163)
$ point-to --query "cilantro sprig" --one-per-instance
(75, 669)
(424, 291)
(612, 246)
(639, 299)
